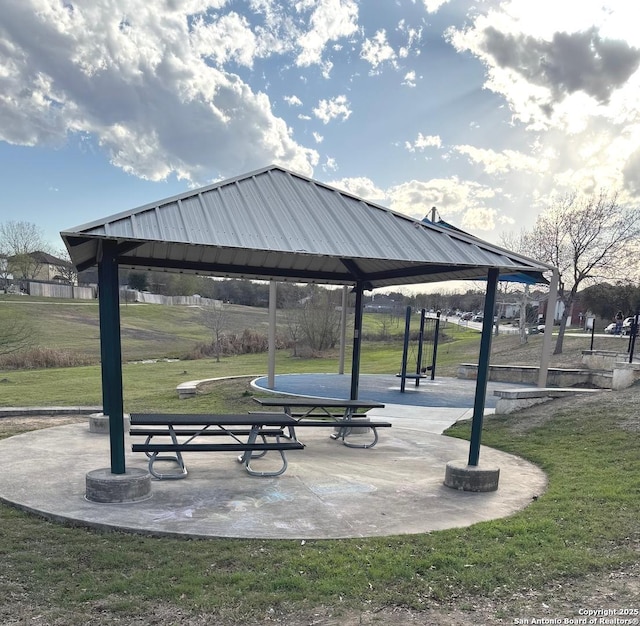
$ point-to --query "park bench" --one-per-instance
(252, 435)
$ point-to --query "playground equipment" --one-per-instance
(433, 330)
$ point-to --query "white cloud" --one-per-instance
(229, 38)
(410, 79)
(330, 165)
(360, 186)
(549, 70)
(432, 6)
(293, 101)
(328, 110)
(413, 35)
(377, 51)
(479, 218)
(572, 78)
(318, 137)
(422, 142)
(502, 162)
(141, 86)
(330, 21)
(463, 203)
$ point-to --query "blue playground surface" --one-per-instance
(441, 392)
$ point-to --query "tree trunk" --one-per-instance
(524, 338)
(563, 326)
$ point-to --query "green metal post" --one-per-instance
(103, 311)
(405, 349)
(357, 341)
(436, 335)
(111, 352)
(483, 367)
(423, 314)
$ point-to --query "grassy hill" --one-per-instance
(151, 331)
(163, 334)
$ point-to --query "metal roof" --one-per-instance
(275, 224)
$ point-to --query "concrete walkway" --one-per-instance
(328, 491)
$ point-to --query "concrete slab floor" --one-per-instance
(328, 490)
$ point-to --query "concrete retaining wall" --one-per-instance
(528, 375)
(510, 401)
(191, 388)
(625, 375)
(602, 359)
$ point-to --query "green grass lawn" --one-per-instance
(586, 522)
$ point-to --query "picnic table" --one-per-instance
(168, 435)
(347, 417)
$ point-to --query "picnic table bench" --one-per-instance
(251, 434)
(345, 416)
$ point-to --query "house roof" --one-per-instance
(44, 257)
(275, 224)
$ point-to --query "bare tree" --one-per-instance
(517, 243)
(587, 238)
(386, 321)
(291, 313)
(18, 242)
(16, 333)
(320, 320)
(67, 271)
(5, 272)
(215, 319)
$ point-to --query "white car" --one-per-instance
(626, 325)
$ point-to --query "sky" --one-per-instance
(485, 110)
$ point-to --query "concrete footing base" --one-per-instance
(132, 486)
(99, 423)
(459, 475)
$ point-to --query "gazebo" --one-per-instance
(276, 225)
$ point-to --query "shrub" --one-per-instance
(247, 342)
(41, 358)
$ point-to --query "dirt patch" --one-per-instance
(10, 426)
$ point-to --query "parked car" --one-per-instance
(626, 325)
